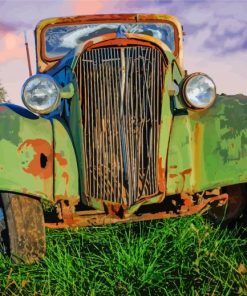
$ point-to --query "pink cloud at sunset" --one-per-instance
(215, 41)
(12, 47)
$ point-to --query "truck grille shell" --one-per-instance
(121, 92)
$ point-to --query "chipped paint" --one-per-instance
(162, 178)
(41, 163)
(61, 160)
(197, 151)
(90, 218)
(212, 143)
(26, 159)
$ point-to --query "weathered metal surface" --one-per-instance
(169, 158)
(26, 145)
(65, 166)
(83, 219)
(43, 64)
(208, 149)
(121, 102)
(169, 66)
(37, 156)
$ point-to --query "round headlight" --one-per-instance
(199, 91)
(41, 94)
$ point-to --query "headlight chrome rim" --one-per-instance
(188, 102)
(45, 110)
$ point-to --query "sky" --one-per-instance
(215, 42)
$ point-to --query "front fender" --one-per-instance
(208, 149)
(34, 158)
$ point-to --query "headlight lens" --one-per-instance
(41, 94)
(199, 91)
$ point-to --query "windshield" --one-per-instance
(59, 40)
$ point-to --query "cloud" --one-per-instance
(224, 20)
(228, 73)
(11, 47)
(87, 6)
(6, 27)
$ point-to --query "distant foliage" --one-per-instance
(3, 94)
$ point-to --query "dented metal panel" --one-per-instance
(179, 206)
(37, 156)
(26, 159)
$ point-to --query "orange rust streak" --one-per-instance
(39, 146)
(113, 208)
(162, 178)
(186, 172)
(173, 175)
(188, 202)
(2, 109)
(197, 159)
(119, 42)
(66, 177)
(173, 166)
(61, 160)
(102, 219)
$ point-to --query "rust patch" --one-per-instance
(186, 172)
(42, 149)
(82, 219)
(67, 212)
(119, 42)
(173, 175)
(61, 160)
(173, 166)
(66, 177)
(197, 151)
(187, 201)
(2, 109)
(162, 178)
(115, 209)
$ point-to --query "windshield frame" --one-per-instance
(44, 63)
(58, 57)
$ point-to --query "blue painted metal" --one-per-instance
(1, 215)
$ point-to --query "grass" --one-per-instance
(183, 256)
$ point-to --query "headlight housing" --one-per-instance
(199, 91)
(40, 94)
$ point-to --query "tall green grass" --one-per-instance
(183, 256)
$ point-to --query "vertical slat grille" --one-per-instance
(121, 105)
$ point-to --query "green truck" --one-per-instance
(116, 130)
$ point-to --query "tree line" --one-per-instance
(3, 94)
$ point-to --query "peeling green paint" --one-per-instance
(217, 148)
(16, 159)
(197, 150)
